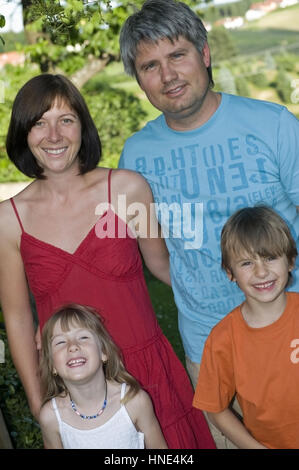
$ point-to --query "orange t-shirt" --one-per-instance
(260, 365)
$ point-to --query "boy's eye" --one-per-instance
(271, 258)
(245, 263)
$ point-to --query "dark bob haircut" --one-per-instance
(35, 98)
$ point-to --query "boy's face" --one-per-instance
(261, 279)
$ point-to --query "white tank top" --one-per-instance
(118, 432)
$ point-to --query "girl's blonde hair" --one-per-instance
(259, 231)
(88, 318)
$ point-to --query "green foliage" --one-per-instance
(24, 431)
(259, 79)
(93, 26)
(117, 115)
(287, 62)
(10, 40)
(2, 24)
(13, 78)
(242, 86)
(283, 86)
(221, 44)
(226, 81)
(270, 61)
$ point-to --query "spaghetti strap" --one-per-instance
(123, 391)
(17, 214)
(109, 186)
(55, 408)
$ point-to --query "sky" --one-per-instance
(13, 16)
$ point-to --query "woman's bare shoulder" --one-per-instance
(7, 217)
(131, 183)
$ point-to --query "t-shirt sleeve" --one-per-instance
(216, 385)
(288, 154)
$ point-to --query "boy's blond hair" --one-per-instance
(256, 231)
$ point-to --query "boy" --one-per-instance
(254, 351)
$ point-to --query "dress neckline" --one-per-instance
(62, 250)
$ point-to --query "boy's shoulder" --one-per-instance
(293, 300)
(228, 321)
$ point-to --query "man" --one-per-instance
(205, 156)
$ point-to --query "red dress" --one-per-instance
(107, 275)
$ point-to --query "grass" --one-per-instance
(286, 19)
(255, 41)
(166, 312)
(278, 29)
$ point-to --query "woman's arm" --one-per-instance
(234, 429)
(14, 298)
(141, 218)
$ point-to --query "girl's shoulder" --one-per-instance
(139, 403)
(47, 413)
(47, 416)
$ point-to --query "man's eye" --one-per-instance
(149, 66)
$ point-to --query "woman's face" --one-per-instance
(55, 139)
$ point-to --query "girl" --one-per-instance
(91, 401)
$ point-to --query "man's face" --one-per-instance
(174, 77)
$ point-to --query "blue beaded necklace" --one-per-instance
(91, 416)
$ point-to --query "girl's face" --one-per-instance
(55, 139)
(76, 353)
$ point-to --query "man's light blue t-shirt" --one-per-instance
(247, 153)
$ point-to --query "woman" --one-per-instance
(68, 236)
